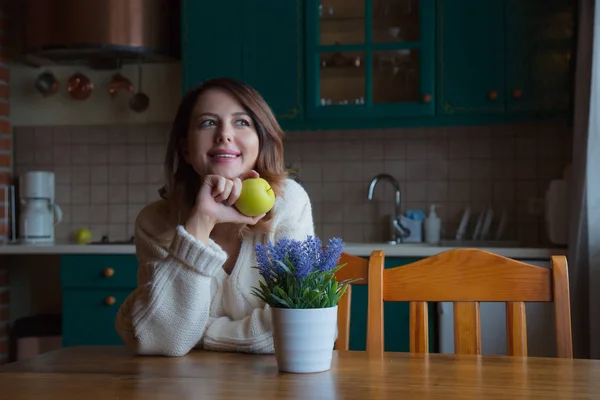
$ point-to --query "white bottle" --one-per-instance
(433, 226)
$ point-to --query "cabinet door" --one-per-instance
(211, 40)
(370, 58)
(539, 44)
(471, 57)
(396, 318)
(273, 56)
(89, 316)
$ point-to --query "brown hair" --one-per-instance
(183, 182)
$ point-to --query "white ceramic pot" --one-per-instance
(304, 338)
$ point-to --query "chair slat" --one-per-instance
(516, 329)
(419, 327)
(562, 307)
(375, 305)
(344, 306)
(467, 328)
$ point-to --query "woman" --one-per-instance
(195, 250)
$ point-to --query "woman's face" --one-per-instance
(222, 138)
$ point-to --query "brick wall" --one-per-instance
(5, 175)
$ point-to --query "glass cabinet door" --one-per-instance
(370, 58)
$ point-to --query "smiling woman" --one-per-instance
(195, 250)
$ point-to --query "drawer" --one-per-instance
(89, 316)
(98, 271)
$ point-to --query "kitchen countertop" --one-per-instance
(359, 249)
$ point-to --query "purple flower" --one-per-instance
(265, 265)
(330, 256)
(300, 257)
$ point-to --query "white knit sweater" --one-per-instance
(185, 299)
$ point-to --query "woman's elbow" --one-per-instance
(152, 346)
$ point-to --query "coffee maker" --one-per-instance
(39, 214)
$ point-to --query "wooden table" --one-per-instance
(114, 373)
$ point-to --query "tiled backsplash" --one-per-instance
(105, 175)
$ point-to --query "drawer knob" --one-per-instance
(108, 272)
(110, 300)
(492, 95)
(517, 93)
(426, 98)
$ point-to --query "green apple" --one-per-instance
(257, 197)
(83, 236)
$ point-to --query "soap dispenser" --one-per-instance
(433, 226)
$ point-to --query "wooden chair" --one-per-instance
(356, 267)
(467, 277)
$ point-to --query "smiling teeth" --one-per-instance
(224, 156)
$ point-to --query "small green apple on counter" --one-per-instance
(83, 236)
(257, 197)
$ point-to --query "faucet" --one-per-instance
(399, 231)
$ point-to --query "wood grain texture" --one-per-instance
(419, 327)
(375, 331)
(467, 277)
(343, 321)
(115, 373)
(467, 328)
(355, 268)
(516, 329)
(562, 306)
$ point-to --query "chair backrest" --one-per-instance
(356, 268)
(467, 277)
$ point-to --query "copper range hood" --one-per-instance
(102, 34)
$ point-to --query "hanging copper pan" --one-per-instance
(118, 83)
(79, 86)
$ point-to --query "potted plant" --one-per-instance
(299, 283)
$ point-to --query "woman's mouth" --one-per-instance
(224, 156)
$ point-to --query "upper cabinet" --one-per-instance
(370, 58)
(211, 40)
(505, 57)
(540, 37)
(471, 57)
(373, 63)
(257, 41)
(273, 49)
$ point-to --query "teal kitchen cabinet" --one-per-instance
(370, 59)
(505, 60)
(540, 44)
(260, 42)
(211, 40)
(93, 287)
(372, 64)
(396, 318)
(273, 56)
(471, 57)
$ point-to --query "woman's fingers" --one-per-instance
(249, 174)
(224, 195)
(235, 191)
(252, 220)
(218, 185)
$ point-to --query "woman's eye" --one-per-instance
(242, 122)
(207, 122)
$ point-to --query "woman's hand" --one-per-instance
(214, 205)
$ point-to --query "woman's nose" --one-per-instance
(224, 134)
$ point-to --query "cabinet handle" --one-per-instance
(426, 98)
(108, 272)
(110, 300)
(517, 93)
(492, 95)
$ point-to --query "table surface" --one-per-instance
(106, 372)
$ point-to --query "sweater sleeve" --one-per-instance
(168, 312)
(254, 333)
